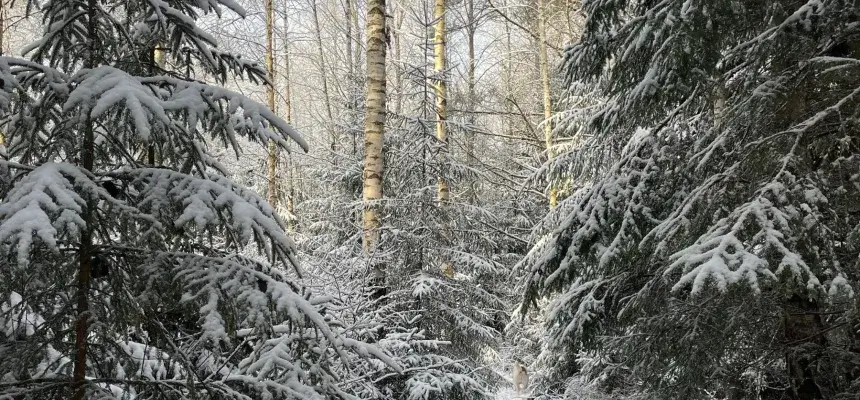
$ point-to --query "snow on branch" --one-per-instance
(46, 205)
(103, 89)
(215, 281)
(605, 218)
(582, 302)
(739, 248)
(156, 102)
(214, 202)
(220, 284)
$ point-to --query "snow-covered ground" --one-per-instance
(506, 392)
(503, 368)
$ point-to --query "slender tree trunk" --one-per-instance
(2, 53)
(398, 63)
(440, 66)
(352, 83)
(3, 27)
(288, 88)
(288, 116)
(353, 11)
(570, 10)
(272, 160)
(349, 40)
(803, 325)
(509, 70)
(323, 70)
(547, 100)
(471, 30)
(85, 259)
(353, 37)
(804, 330)
(158, 58)
(85, 250)
(471, 159)
(374, 126)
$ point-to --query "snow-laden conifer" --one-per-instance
(712, 249)
(131, 265)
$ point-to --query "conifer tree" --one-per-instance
(123, 278)
(712, 252)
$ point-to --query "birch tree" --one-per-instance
(287, 94)
(440, 69)
(547, 97)
(374, 125)
(272, 159)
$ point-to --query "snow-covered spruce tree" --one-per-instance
(713, 249)
(130, 265)
(419, 316)
(446, 264)
(437, 322)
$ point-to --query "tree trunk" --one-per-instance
(547, 100)
(158, 58)
(443, 192)
(85, 250)
(2, 53)
(288, 116)
(571, 9)
(85, 260)
(509, 71)
(353, 37)
(804, 333)
(353, 11)
(2, 27)
(374, 126)
(326, 99)
(471, 159)
(802, 323)
(349, 41)
(272, 160)
(398, 65)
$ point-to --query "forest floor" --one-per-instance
(506, 392)
(503, 369)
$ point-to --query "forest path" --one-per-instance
(503, 369)
(506, 392)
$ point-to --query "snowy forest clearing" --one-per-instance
(429, 199)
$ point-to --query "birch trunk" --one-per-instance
(272, 161)
(547, 100)
(288, 116)
(374, 126)
(158, 58)
(441, 88)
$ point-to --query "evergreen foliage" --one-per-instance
(442, 303)
(131, 266)
(711, 251)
